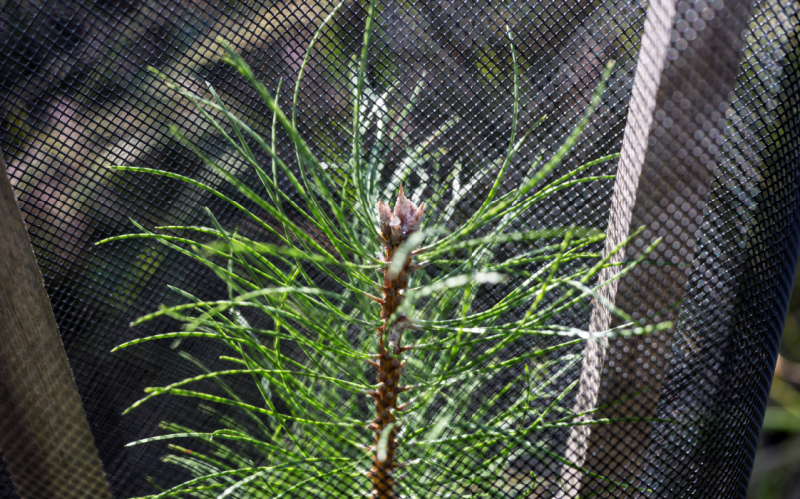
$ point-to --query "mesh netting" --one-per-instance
(77, 97)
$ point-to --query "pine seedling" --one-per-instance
(395, 353)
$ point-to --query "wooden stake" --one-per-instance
(687, 67)
(44, 436)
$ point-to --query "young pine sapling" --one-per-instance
(466, 364)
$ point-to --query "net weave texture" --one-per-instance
(76, 97)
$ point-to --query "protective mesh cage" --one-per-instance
(703, 102)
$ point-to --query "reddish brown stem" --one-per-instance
(389, 367)
(395, 226)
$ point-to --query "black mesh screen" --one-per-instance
(744, 266)
(77, 97)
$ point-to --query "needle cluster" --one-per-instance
(304, 303)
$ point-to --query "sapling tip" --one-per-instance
(366, 347)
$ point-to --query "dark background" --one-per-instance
(75, 97)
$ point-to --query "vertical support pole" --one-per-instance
(44, 435)
(688, 62)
